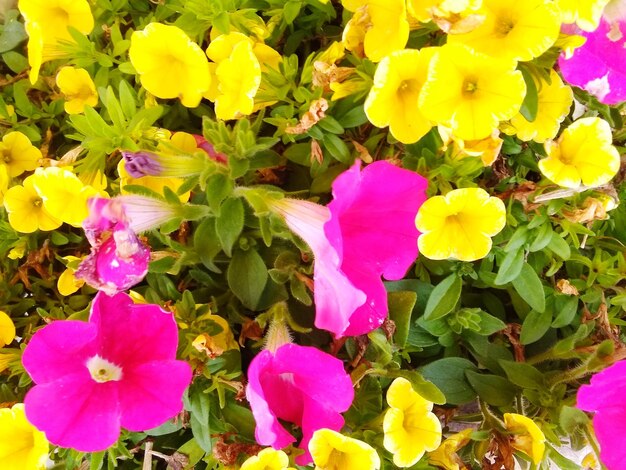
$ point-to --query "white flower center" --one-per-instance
(102, 370)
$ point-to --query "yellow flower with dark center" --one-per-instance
(267, 459)
(410, 427)
(46, 22)
(460, 224)
(78, 88)
(333, 451)
(554, 101)
(170, 65)
(445, 456)
(471, 92)
(22, 446)
(7, 329)
(585, 13)
(583, 155)
(26, 209)
(526, 436)
(514, 29)
(394, 99)
(17, 154)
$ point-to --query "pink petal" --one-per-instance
(74, 411)
(151, 393)
(59, 349)
(316, 417)
(607, 389)
(610, 427)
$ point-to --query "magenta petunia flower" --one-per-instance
(599, 65)
(606, 396)
(119, 369)
(301, 385)
(366, 232)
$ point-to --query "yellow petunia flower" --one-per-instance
(452, 16)
(67, 283)
(7, 329)
(394, 99)
(46, 22)
(4, 182)
(527, 437)
(22, 446)
(514, 29)
(554, 101)
(331, 450)
(18, 154)
(170, 65)
(410, 427)
(221, 48)
(78, 88)
(377, 28)
(471, 92)
(267, 459)
(64, 196)
(460, 224)
(445, 456)
(26, 209)
(585, 13)
(583, 154)
(486, 149)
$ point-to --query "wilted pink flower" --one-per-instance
(368, 230)
(207, 146)
(299, 384)
(606, 396)
(599, 65)
(119, 369)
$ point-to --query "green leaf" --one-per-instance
(542, 237)
(493, 389)
(535, 325)
(337, 148)
(443, 298)
(489, 324)
(529, 287)
(559, 247)
(400, 309)
(523, 375)
(97, 460)
(229, 223)
(291, 10)
(566, 306)
(218, 187)
(199, 417)
(510, 268)
(207, 244)
(12, 35)
(531, 100)
(448, 374)
(367, 403)
(247, 276)
(127, 99)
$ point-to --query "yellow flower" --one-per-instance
(527, 437)
(583, 154)
(221, 48)
(332, 451)
(409, 425)
(445, 455)
(568, 43)
(64, 195)
(460, 224)
(471, 92)
(22, 446)
(394, 99)
(4, 182)
(585, 13)
(26, 210)
(377, 28)
(487, 149)
(46, 23)
(452, 16)
(67, 283)
(267, 459)
(553, 104)
(514, 29)
(170, 65)
(18, 154)
(7, 329)
(78, 88)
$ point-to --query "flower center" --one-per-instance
(406, 87)
(470, 86)
(59, 14)
(6, 155)
(37, 202)
(336, 461)
(102, 370)
(503, 27)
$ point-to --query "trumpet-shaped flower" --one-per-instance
(394, 99)
(17, 154)
(267, 459)
(22, 446)
(583, 154)
(585, 13)
(47, 24)
(331, 450)
(527, 437)
(7, 329)
(554, 101)
(377, 28)
(119, 369)
(301, 385)
(445, 456)
(78, 88)
(410, 427)
(26, 209)
(170, 65)
(365, 232)
(471, 92)
(514, 29)
(460, 224)
(605, 396)
(599, 65)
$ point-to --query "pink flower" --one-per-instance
(119, 369)
(301, 385)
(599, 65)
(366, 232)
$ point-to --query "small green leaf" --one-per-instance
(493, 389)
(448, 374)
(400, 309)
(531, 100)
(199, 417)
(510, 268)
(535, 325)
(443, 298)
(337, 148)
(247, 276)
(229, 223)
(566, 306)
(559, 247)
(529, 287)
(523, 375)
